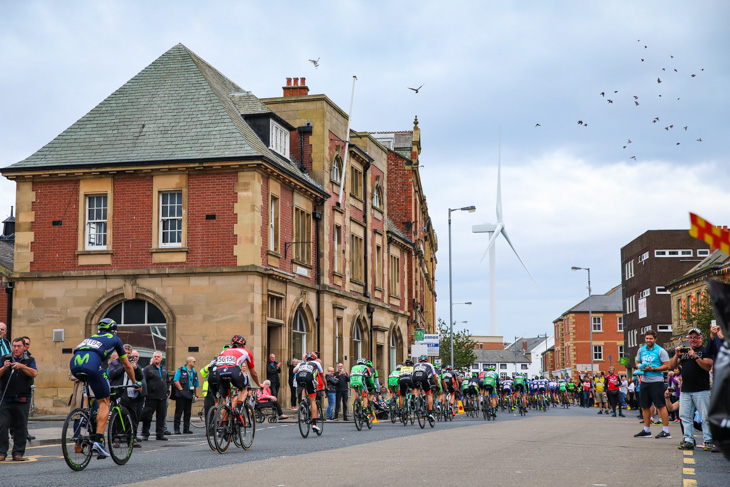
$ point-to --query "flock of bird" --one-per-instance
(315, 63)
(614, 96)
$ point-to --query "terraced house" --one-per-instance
(189, 210)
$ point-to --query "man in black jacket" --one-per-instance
(273, 369)
(132, 398)
(343, 388)
(292, 387)
(158, 390)
(16, 378)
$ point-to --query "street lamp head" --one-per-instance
(470, 209)
(574, 268)
(468, 302)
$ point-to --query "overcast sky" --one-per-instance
(572, 194)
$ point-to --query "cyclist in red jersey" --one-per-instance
(234, 363)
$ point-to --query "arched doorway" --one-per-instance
(143, 325)
(358, 343)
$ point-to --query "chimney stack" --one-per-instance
(296, 88)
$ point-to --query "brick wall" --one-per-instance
(400, 192)
(54, 247)
(4, 305)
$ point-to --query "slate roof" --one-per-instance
(600, 303)
(532, 343)
(500, 356)
(176, 109)
(6, 258)
(391, 227)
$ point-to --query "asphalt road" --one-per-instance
(559, 447)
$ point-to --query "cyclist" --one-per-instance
(437, 384)
(405, 381)
(90, 359)
(421, 375)
(570, 387)
(233, 363)
(373, 381)
(521, 387)
(309, 376)
(507, 385)
(470, 386)
(489, 383)
(359, 376)
(393, 382)
(450, 385)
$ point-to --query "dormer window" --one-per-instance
(279, 140)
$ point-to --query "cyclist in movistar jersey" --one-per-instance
(89, 363)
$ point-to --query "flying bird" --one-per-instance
(685, 127)
(699, 140)
(629, 141)
(603, 94)
(666, 128)
(675, 70)
(315, 62)
(609, 101)
(642, 60)
(677, 143)
(659, 80)
(636, 97)
(580, 122)
(664, 69)
(415, 89)
(671, 56)
(616, 91)
(637, 103)
(538, 125)
(633, 157)
(694, 75)
(624, 147)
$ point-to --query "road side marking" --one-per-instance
(689, 483)
(688, 471)
(687, 453)
(689, 461)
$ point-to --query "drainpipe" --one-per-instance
(306, 129)
(317, 220)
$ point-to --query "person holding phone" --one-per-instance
(695, 389)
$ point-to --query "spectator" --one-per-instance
(599, 392)
(26, 346)
(613, 382)
(273, 370)
(186, 383)
(16, 378)
(342, 391)
(631, 394)
(714, 343)
(158, 391)
(695, 394)
(331, 391)
(264, 396)
(5, 348)
(586, 391)
(131, 398)
(623, 390)
(653, 360)
(673, 384)
(292, 383)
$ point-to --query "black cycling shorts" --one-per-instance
(449, 387)
(306, 380)
(231, 375)
(519, 388)
(420, 381)
(405, 383)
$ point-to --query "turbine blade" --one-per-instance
(499, 179)
(504, 232)
(497, 229)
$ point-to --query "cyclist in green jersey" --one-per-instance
(489, 383)
(521, 386)
(393, 382)
(359, 376)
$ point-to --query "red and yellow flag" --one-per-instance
(710, 234)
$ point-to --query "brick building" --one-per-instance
(189, 210)
(6, 269)
(573, 335)
(648, 264)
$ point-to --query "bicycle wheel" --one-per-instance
(249, 427)
(120, 435)
(210, 428)
(236, 432)
(369, 416)
(222, 424)
(419, 413)
(77, 439)
(393, 411)
(321, 419)
(304, 418)
(197, 417)
(357, 413)
(404, 414)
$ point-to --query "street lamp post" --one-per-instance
(590, 311)
(470, 209)
(543, 362)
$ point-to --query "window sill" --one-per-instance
(167, 255)
(95, 252)
(338, 274)
(273, 253)
(95, 257)
(168, 249)
(302, 264)
(357, 281)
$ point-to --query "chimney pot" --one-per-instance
(296, 81)
(288, 81)
(304, 81)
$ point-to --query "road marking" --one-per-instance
(688, 471)
(689, 461)
(689, 483)
(687, 453)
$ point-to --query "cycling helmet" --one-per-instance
(226, 347)
(409, 362)
(107, 324)
(437, 367)
(398, 367)
(238, 341)
(311, 356)
(448, 367)
(423, 358)
(361, 361)
(369, 363)
(491, 367)
(475, 374)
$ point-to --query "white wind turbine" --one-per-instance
(494, 230)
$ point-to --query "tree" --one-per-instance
(464, 355)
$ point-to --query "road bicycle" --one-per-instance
(360, 414)
(197, 416)
(305, 415)
(421, 407)
(238, 425)
(79, 431)
(408, 411)
(393, 409)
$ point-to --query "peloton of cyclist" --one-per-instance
(90, 360)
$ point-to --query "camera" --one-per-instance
(4, 358)
(671, 389)
(132, 359)
(683, 349)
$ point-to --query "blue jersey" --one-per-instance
(103, 344)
